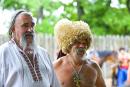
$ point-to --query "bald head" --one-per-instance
(23, 14)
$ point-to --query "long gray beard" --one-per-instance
(23, 44)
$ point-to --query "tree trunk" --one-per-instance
(80, 10)
(40, 14)
(128, 5)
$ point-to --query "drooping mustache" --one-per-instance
(81, 50)
(29, 34)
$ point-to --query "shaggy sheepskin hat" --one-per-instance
(68, 32)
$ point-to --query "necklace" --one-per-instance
(76, 75)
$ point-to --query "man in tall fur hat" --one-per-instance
(72, 69)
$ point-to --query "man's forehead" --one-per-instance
(25, 14)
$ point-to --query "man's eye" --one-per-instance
(24, 25)
(33, 24)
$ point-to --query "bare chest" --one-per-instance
(87, 77)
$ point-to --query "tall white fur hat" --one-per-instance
(68, 32)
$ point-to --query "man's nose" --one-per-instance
(30, 29)
(82, 45)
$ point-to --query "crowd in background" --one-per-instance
(115, 66)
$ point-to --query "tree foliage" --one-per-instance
(99, 14)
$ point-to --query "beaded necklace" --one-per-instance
(76, 75)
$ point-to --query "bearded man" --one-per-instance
(22, 62)
(73, 69)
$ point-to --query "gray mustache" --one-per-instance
(81, 49)
(29, 34)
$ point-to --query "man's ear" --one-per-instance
(13, 29)
(13, 32)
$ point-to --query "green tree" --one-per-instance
(99, 14)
